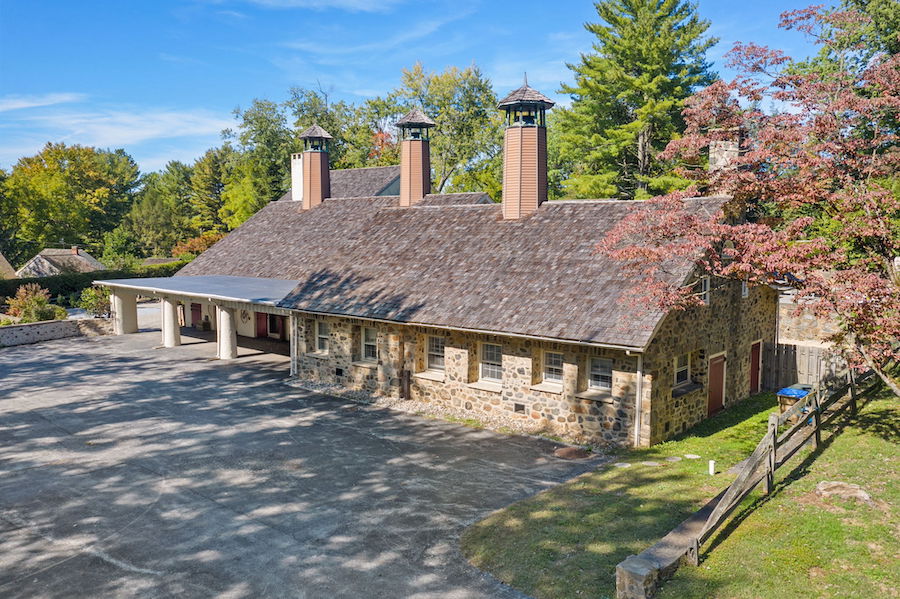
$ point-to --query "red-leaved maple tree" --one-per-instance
(817, 180)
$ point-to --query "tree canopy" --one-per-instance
(648, 57)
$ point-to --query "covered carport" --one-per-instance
(228, 298)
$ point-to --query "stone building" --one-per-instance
(485, 307)
(59, 261)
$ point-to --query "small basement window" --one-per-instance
(369, 346)
(682, 369)
(553, 367)
(600, 374)
(491, 362)
(322, 336)
(435, 359)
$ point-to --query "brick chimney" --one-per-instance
(75, 249)
(316, 181)
(415, 157)
(724, 147)
(524, 152)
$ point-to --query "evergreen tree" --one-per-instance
(628, 94)
(159, 217)
(210, 174)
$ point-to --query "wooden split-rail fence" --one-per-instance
(800, 423)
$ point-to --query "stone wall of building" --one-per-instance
(567, 409)
(22, 334)
(802, 327)
(730, 324)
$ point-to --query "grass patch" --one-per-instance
(566, 542)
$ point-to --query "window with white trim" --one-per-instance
(491, 368)
(322, 337)
(682, 369)
(600, 374)
(704, 290)
(435, 358)
(369, 351)
(553, 367)
(745, 289)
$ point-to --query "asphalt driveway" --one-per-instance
(128, 471)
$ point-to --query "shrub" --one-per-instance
(32, 304)
(197, 245)
(95, 300)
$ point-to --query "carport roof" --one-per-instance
(222, 287)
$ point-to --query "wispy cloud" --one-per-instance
(349, 5)
(17, 102)
(116, 128)
(419, 31)
(179, 59)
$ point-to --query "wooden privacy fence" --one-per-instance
(638, 576)
(786, 364)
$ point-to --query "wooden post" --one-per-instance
(773, 448)
(817, 417)
(852, 380)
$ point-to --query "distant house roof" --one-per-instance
(55, 261)
(152, 261)
(451, 262)
(361, 182)
(6, 269)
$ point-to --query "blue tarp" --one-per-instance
(793, 392)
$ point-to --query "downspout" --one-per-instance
(639, 400)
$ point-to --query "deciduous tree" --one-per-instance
(817, 179)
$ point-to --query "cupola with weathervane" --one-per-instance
(415, 157)
(524, 151)
(315, 181)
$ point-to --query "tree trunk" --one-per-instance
(643, 156)
(884, 376)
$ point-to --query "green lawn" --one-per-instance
(567, 541)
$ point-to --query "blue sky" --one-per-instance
(160, 78)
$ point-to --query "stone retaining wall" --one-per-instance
(22, 334)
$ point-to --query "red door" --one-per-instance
(262, 324)
(755, 366)
(196, 315)
(716, 385)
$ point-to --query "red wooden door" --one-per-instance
(716, 385)
(196, 315)
(262, 324)
(755, 366)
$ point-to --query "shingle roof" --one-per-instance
(315, 131)
(526, 95)
(449, 266)
(359, 182)
(62, 261)
(414, 118)
(6, 269)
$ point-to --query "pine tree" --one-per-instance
(207, 184)
(628, 95)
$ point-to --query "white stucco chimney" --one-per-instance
(296, 177)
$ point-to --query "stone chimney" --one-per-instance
(415, 157)
(524, 152)
(316, 180)
(724, 148)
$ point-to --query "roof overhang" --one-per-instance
(251, 290)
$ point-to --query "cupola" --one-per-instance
(315, 180)
(524, 151)
(415, 157)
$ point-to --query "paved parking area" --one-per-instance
(129, 471)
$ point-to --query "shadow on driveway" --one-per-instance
(131, 471)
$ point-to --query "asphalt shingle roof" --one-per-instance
(358, 182)
(457, 266)
(6, 269)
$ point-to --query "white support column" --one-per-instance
(292, 323)
(124, 312)
(227, 334)
(170, 326)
